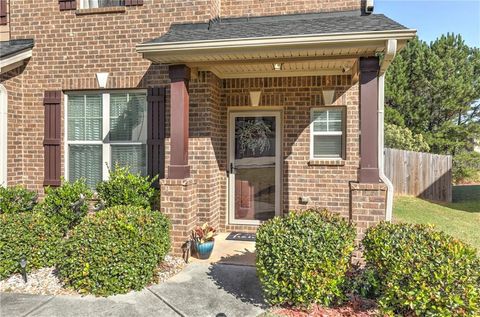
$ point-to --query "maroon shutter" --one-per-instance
(129, 3)
(67, 4)
(3, 12)
(51, 142)
(156, 132)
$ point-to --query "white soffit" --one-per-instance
(327, 54)
(14, 61)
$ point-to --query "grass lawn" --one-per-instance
(460, 218)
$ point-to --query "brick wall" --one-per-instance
(368, 206)
(326, 183)
(275, 7)
(71, 48)
(179, 201)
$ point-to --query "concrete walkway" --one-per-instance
(226, 288)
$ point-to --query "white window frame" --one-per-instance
(327, 133)
(85, 4)
(105, 142)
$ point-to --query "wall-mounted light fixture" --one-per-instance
(328, 96)
(255, 97)
(277, 66)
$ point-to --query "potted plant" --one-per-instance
(203, 240)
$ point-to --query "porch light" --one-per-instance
(328, 95)
(277, 66)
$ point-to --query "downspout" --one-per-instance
(390, 51)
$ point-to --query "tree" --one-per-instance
(434, 90)
(398, 137)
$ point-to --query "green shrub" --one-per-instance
(115, 250)
(398, 137)
(27, 234)
(66, 204)
(423, 272)
(125, 188)
(466, 167)
(16, 199)
(302, 258)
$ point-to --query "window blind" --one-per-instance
(85, 161)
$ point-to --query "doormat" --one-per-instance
(241, 236)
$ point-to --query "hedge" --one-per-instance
(302, 258)
(31, 235)
(125, 188)
(423, 272)
(16, 199)
(115, 250)
(67, 204)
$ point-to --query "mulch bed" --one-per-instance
(356, 307)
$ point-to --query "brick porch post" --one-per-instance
(368, 195)
(178, 191)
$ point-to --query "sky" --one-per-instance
(432, 18)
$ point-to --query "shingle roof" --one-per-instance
(285, 25)
(12, 47)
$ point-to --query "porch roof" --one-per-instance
(302, 44)
(13, 53)
(282, 25)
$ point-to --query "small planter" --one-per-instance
(204, 250)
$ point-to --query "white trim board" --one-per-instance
(3, 135)
(14, 61)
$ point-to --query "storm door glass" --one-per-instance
(254, 167)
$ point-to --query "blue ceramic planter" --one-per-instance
(204, 249)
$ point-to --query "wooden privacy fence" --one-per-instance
(420, 174)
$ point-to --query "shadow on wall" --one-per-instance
(241, 281)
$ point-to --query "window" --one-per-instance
(104, 129)
(327, 133)
(87, 4)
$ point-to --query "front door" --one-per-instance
(254, 164)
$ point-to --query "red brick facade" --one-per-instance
(72, 46)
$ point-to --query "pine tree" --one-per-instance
(434, 90)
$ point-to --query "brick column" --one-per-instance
(178, 200)
(179, 119)
(369, 67)
(367, 206)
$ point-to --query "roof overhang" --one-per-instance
(299, 55)
(14, 60)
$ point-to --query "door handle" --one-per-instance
(232, 168)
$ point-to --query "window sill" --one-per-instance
(103, 10)
(326, 162)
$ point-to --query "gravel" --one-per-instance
(169, 267)
(42, 281)
(45, 281)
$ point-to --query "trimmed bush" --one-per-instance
(67, 204)
(115, 250)
(27, 234)
(423, 272)
(302, 258)
(125, 188)
(16, 199)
